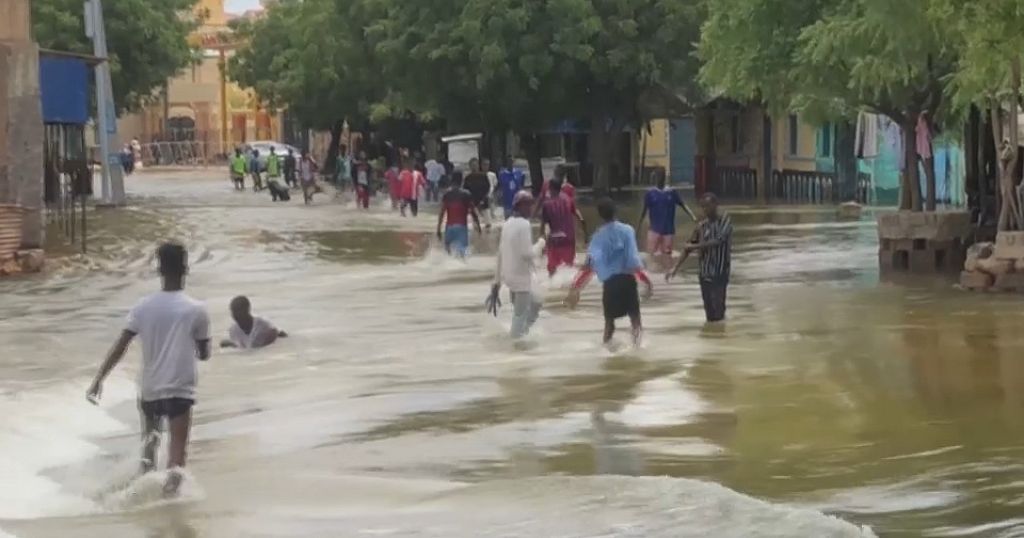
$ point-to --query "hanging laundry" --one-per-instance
(924, 137)
(866, 138)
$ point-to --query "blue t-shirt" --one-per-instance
(510, 182)
(613, 251)
(661, 205)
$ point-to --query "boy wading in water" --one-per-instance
(175, 331)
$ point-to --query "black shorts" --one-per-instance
(172, 408)
(620, 297)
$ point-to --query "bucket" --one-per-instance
(11, 218)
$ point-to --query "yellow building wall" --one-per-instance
(656, 142)
(804, 158)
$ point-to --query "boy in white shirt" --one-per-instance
(175, 331)
(516, 253)
(248, 331)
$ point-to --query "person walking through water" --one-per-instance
(479, 188)
(614, 256)
(237, 167)
(457, 206)
(290, 166)
(510, 181)
(712, 240)
(660, 203)
(412, 184)
(278, 192)
(343, 169)
(559, 214)
(255, 169)
(307, 176)
(362, 171)
(515, 267)
(435, 172)
(175, 331)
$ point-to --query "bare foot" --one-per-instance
(173, 483)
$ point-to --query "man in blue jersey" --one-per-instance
(510, 181)
(660, 203)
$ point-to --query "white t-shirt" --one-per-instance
(169, 323)
(435, 171)
(493, 179)
(263, 333)
(515, 254)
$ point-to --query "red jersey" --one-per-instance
(394, 184)
(457, 202)
(567, 189)
(411, 182)
(560, 216)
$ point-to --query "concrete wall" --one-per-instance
(657, 144)
(21, 120)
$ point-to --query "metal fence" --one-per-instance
(67, 180)
(802, 187)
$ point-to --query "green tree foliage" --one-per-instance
(147, 41)
(840, 56)
(987, 34)
(311, 57)
(526, 64)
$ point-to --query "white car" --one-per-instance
(264, 148)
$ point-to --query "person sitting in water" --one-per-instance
(248, 331)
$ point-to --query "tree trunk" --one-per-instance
(600, 157)
(1009, 209)
(531, 145)
(332, 150)
(910, 193)
(846, 161)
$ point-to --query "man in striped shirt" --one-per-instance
(712, 240)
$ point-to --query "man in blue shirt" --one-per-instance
(510, 181)
(614, 256)
(660, 203)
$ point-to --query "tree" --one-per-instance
(312, 58)
(526, 64)
(147, 41)
(989, 74)
(842, 56)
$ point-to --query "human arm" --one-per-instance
(721, 234)
(682, 259)
(225, 343)
(493, 301)
(686, 209)
(579, 282)
(583, 223)
(201, 334)
(114, 356)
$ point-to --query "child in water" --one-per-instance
(248, 331)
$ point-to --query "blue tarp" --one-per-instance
(64, 85)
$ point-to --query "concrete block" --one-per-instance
(1009, 245)
(975, 281)
(941, 226)
(1010, 282)
(923, 262)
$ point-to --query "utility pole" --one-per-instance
(106, 121)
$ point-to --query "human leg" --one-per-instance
(525, 310)
(707, 295)
(456, 240)
(719, 288)
(150, 422)
(179, 420)
(414, 206)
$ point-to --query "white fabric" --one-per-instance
(492, 178)
(515, 255)
(435, 171)
(867, 136)
(169, 323)
(261, 334)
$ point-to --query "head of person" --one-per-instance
(523, 203)
(238, 152)
(486, 165)
(474, 166)
(241, 308)
(560, 172)
(173, 262)
(305, 153)
(709, 205)
(273, 151)
(508, 162)
(661, 179)
(362, 154)
(290, 152)
(456, 180)
(555, 187)
(606, 209)
(255, 153)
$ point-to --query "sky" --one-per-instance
(239, 6)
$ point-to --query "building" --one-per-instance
(203, 115)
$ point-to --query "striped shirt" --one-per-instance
(716, 261)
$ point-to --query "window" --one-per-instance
(826, 140)
(794, 135)
(737, 145)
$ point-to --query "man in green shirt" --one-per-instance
(238, 167)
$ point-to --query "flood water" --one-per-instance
(830, 405)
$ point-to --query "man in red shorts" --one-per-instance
(559, 214)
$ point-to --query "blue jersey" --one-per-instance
(661, 206)
(510, 182)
